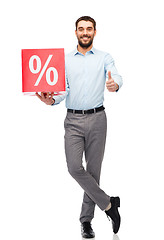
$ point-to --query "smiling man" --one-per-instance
(88, 71)
(85, 34)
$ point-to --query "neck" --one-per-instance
(84, 50)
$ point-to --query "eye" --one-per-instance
(80, 29)
(89, 29)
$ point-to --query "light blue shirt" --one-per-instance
(86, 77)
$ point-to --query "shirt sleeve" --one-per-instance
(60, 98)
(110, 66)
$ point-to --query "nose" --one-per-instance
(85, 31)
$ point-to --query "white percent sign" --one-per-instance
(38, 68)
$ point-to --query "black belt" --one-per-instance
(95, 110)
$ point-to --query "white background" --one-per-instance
(38, 198)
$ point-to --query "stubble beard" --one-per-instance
(85, 45)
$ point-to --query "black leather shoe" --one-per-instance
(86, 230)
(114, 214)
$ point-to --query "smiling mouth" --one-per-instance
(85, 38)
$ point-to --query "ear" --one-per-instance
(95, 32)
(76, 33)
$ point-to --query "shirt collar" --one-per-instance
(75, 52)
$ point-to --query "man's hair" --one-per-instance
(86, 18)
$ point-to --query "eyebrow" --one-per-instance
(83, 28)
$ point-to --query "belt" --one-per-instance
(95, 110)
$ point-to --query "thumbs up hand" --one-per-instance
(110, 84)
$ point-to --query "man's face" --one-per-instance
(85, 33)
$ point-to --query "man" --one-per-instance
(85, 125)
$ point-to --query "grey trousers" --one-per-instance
(87, 134)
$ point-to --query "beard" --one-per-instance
(85, 45)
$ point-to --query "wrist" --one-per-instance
(53, 102)
(117, 87)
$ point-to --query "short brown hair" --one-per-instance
(86, 18)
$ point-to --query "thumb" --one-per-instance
(52, 94)
(109, 75)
